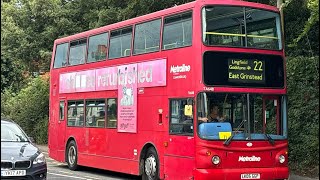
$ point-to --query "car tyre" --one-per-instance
(151, 165)
(72, 156)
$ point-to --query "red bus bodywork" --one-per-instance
(180, 157)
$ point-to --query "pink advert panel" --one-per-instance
(149, 74)
(127, 98)
(152, 73)
(106, 79)
(81, 81)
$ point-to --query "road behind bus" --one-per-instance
(57, 170)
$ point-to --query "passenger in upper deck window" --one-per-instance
(214, 116)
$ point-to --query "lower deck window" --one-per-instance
(75, 113)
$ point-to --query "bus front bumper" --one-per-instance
(246, 173)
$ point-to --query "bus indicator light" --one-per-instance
(165, 144)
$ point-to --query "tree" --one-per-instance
(11, 74)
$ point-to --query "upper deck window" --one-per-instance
(77, 52)
(97, 47)
(147, 37)
(241, 27)
(177, 31)
(120, 43)
(61, 56)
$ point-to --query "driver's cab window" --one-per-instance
(181, 116)
(245, 116)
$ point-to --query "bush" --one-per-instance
(29, 108)
(303, 112)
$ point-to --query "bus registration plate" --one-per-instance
(13, 173)
(250, 176)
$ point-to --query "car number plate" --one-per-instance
(13, 172)
(250, 176)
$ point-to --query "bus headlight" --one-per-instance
(215, 160)
(282, 159)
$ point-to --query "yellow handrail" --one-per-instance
(125, 52)
(241, 35)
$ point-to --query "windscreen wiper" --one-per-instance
(269, 138)
(227, 142)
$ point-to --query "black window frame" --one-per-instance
(187, 99)
(78, 42)
(135, 33)
(107, 113)
(281, 44)
(181, 14)
(85, 112)
(107, 46)
(62, 110)
(131, 44)
(84, 115)
(67, 54)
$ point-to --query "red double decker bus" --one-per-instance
(196, 91)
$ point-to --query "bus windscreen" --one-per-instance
(243, 70)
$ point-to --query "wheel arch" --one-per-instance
(143, 154)
(71, 138)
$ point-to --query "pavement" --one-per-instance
(44, 148)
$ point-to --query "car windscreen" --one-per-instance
(12, 133)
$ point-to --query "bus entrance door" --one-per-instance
(180, 148)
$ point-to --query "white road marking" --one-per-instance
(92, 177)
(65, 172)
(69, 176)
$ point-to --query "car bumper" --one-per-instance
(234, 174)
(33, 173)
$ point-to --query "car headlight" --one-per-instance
(215, 160)
(39, 159)
(282, 159)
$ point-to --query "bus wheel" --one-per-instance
(151, 165)
(72, 155)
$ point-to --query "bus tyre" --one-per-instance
(72, 156)
(151, 165)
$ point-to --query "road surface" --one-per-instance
(59, 171)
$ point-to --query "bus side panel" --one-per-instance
(152, 124)
(178, 167)
(52, 141)
(56, 132)
(116, 164)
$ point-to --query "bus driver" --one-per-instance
(214, 115)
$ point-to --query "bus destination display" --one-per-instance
(246, 71)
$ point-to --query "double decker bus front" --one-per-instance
(242, 109)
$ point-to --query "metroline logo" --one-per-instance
(182, 68)
(246, 158)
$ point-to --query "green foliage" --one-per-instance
(10, 73)
(313, 6)
(301, 35)
(303, 111)
(29, 108)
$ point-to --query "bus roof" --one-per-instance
(158, 14)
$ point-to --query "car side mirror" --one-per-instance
(31, 139)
